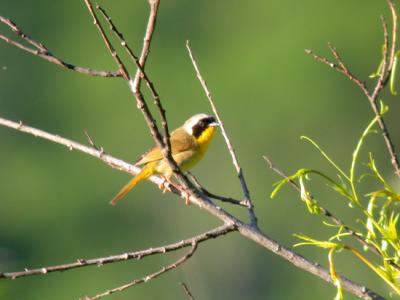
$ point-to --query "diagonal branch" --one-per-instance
(42, 51)
(187, 291)
(239, 170)
(214, 196)
(211, 234)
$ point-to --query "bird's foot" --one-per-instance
(185, 194)
(165, 185)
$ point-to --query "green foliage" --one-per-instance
(377, 227)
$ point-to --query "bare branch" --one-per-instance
(110, 47)
(149, 276)
(340, 67)
(211, 234)
(154, 4)
(41, 51)
(239, 170)
(187, 292)
(214, 196)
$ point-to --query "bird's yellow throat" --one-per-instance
(205, 138)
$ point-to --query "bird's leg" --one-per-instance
(165, 186)
(187, 197)
(185, 194)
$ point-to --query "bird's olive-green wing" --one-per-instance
(181, 141)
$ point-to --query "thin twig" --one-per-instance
(154, 4)
(110, 47)
(149, 276)
(338, 67)
(214, 196)
(187, 291)
(42, 51)
(239, 170)
(100, 261)
(245, 230)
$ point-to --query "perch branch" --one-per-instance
(211, 234)
(239, 170)
(245, 230)
(42, 51)
(113, 162)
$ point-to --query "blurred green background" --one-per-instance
(54, 203)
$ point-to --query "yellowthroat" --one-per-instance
(189, 143)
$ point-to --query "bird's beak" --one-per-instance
(214, 124)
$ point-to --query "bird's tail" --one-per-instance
(145, 173)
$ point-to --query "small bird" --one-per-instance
(189, 143)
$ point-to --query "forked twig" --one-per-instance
(42, 51)
(114, 54)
